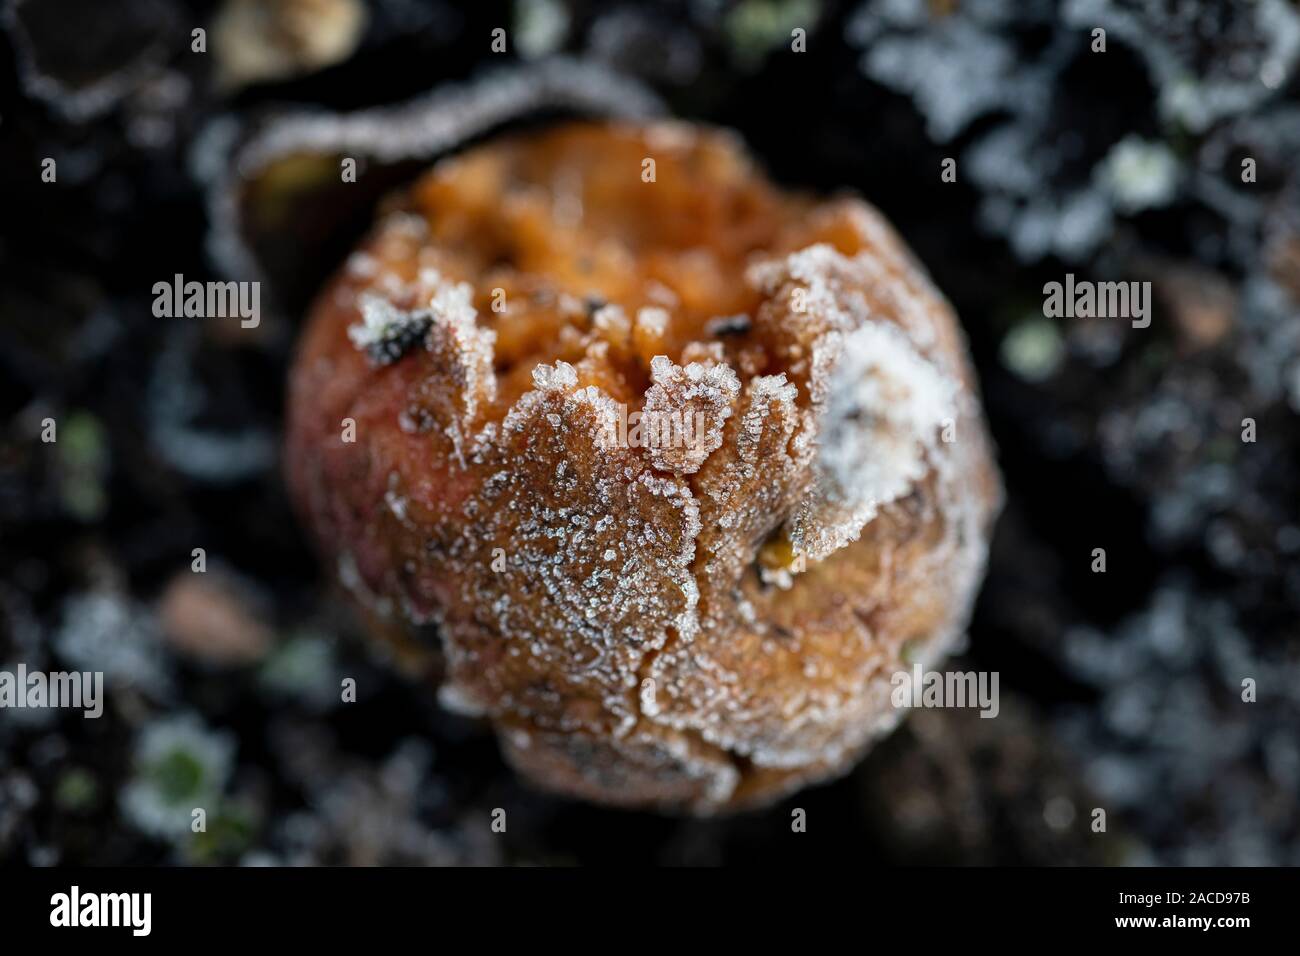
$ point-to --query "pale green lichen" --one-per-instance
(1033, 349)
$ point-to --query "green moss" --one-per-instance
(756, 26)
(83, 461)
(178, 775)
(231, 831)
(76, 790)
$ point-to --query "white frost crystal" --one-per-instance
(688, 407)
(884, 409)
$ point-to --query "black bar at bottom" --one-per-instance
(334, 906)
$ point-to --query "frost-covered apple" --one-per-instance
(679, 468)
